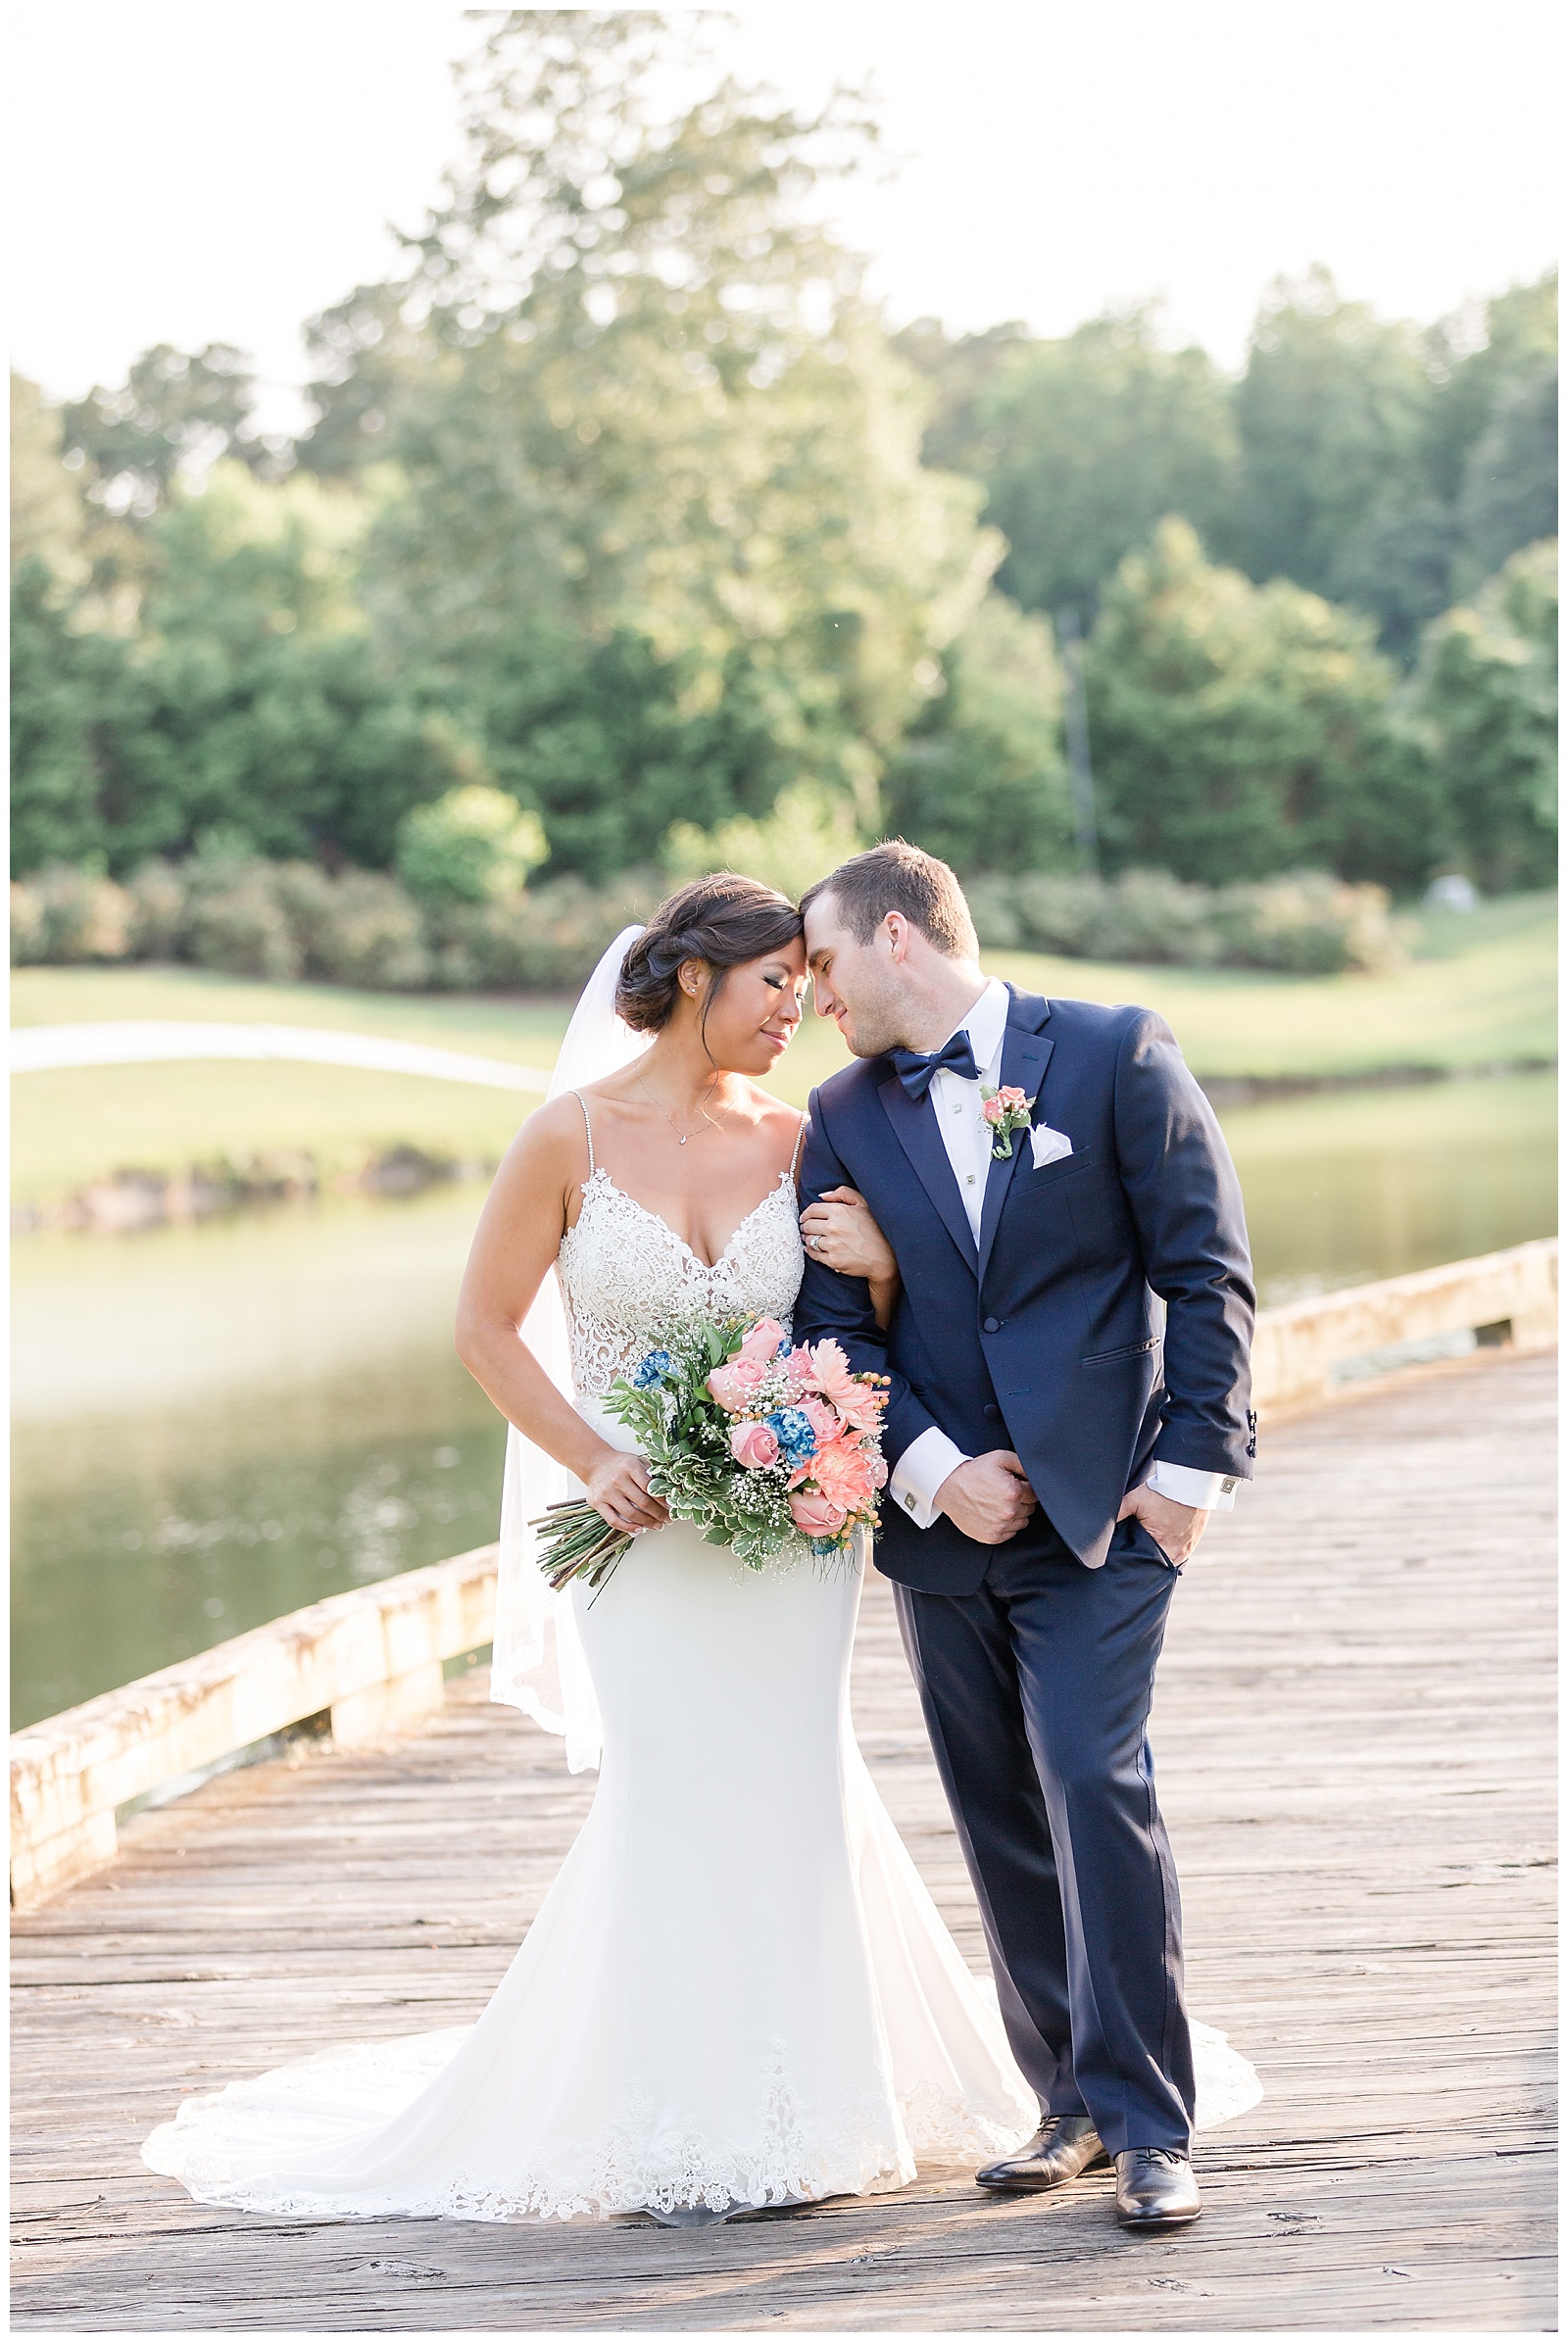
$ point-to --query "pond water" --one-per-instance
(215, 1425)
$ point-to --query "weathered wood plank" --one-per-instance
(1354, 1736)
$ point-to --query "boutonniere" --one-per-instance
(1008, 1111)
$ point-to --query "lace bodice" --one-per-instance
(628, 1281)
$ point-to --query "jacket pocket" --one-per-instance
(1031, 1182)
(1130, 1349)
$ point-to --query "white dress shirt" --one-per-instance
(926, 1463)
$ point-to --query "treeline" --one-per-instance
(621, 504)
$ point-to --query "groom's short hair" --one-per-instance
(898, 876)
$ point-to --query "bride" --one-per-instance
(738, 1992)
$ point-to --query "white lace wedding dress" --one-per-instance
(737, 1991)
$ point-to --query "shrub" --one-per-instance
(159, 897)
(64, 914)
(807, 833)
(359, 928)
(281, 920)
(1306, 923)
(547, 940)
(235, 922)
(26, 926)
(993, 908)
(1148, 915)
(475, 844)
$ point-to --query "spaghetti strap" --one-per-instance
(588, 1127)
(799, 1142)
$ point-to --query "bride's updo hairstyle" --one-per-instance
(724, 921)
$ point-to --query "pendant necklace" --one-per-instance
(682, 1136)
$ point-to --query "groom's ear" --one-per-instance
(896, 933)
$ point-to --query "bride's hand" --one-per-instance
(617, 1489)
(839, 1231)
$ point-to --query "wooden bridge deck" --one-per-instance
(1354, 1736)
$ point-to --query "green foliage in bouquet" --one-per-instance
(772, 1452)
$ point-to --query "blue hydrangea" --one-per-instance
(792, 1430)
(653, 1369)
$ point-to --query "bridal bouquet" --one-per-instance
(766, 1448)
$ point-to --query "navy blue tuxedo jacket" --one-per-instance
(1048, 1337)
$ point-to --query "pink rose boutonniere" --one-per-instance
(1008, 1111)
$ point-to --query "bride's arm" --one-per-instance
(515, 1247)
(839, 1231)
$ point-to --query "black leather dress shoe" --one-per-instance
(1156, 2189)
(1064, 2146)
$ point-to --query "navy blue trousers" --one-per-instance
(1037, 1691)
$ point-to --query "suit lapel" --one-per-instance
(1025, 1054)
(917, 1133)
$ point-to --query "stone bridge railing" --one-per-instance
(372, 1661)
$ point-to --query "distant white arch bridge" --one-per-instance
(44, 1048)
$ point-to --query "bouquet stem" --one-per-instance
(575, 1541)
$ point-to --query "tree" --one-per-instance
(957, 374)
(1388, 467)
(252, 699)
(1485, 692)
(1241, 730)
(62, 682)
(46, 517)
(1478, 359)
(475, 844)
(175, 410)
(369, 359)
(1333, 415)
(1510, 482)
(980, 778)
(1085, 443)
(652, 444)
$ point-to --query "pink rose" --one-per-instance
(765, 1342)
(752, 1446)
(798, 1369)
(736, 1383)
(826, 1421)
(815, 1515)
(1008, 1100)
(860, 1403)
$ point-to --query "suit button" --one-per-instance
(993, 1324)
(993, 1414)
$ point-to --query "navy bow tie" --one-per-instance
(915, 1069)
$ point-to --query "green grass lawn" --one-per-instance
(1480, 991)
(526, 1027)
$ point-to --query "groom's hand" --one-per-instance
(988, 1497)
(1175, 1528)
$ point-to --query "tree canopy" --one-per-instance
(1376, 462)
(1241, 729)
(621, 504)
(1486, 692)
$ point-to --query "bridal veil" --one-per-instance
(538, 1661)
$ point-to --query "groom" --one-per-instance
(1068, 1367)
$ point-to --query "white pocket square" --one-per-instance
(1047, 1146)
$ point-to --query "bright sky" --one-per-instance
(189, 170)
